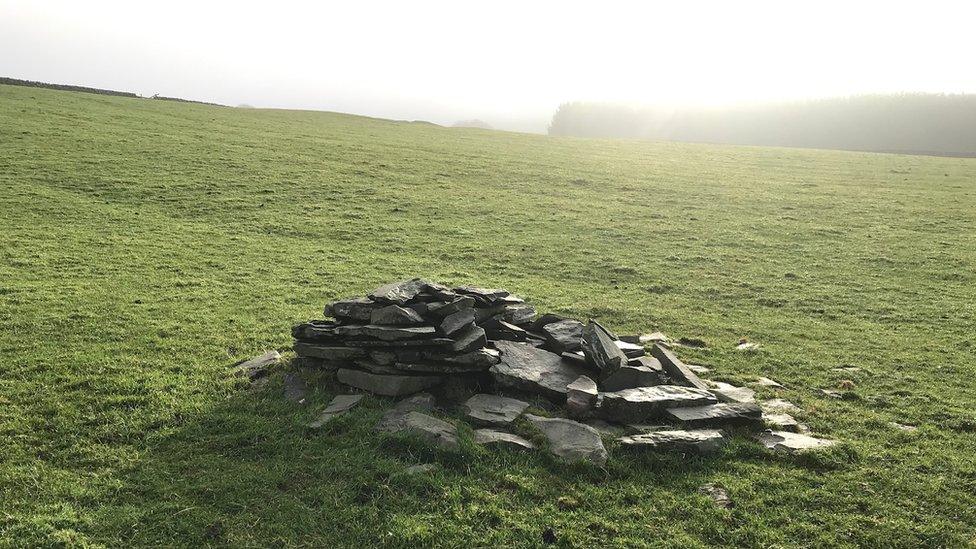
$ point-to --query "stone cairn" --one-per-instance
(413, 336)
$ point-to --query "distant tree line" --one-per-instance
(907, 123)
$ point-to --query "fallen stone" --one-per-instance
(469, 339)
(782, 422)
(388, 385)
(630, 377)
(394, 315)
(655, 337)
(830, 393)
(699, 441)
(791, 443)
(358, 308)
(730, 393)
(338, 406)
(428, 428)
(327, 352)
(766, 382)
(499, 439)
(601, 350)
(257, 367)
(485, 409)
(456, 321)
(295, 388)
(778, 405)
(680, 373)
(630, 350)
(527, 368)
(581, 397)
(420, 402)
(738, 414)
(747, 346)
(606, 428)
(564, 335)
(399, 292)
(717, 494)
(571, 441)
(638, 404)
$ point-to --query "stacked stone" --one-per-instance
(409, 336)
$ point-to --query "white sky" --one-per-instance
(509, 63)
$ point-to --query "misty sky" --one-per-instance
(508, 63)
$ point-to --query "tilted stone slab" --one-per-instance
(337, 406)
(727, 392)
(442, 309)
(642, 403)
(564, 336)
(630, 350)
(486, 409)
(328, 352)
(698, 441)
(389, 385)
(737, 414)
(425, 427)
(630, 377)
(469, 339)
(258, 366)
(399, 292)
(530, 369)
(792, 443)
(569, 440)
(680, 373)
(783, 422)
(778, 405)
(394, 315)
(601, 350)
(500, 439)
(454, 322)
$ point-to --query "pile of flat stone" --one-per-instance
(412, 336)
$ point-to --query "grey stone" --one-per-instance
(389, 385)
(641, 428)
(480, 357)
(569, 440)
(698, 369)
(699, 441)
(782, 422)
(630, 377)
(375, 368)
(457, 321)
(483, 295)
(527, 368)
(399, 292)
(520, 315)
(338, 406)
(606, 428)
(581, 397)
(738, 414)
(630, 350)
(469, 339)
(385, 358)
(901, 427)
(257, 367)
(328, 352)
(485, 409)
(441, 310)
(543, 320)
(421, 468)
(791, 443)
(655, 337)
(730, 393)
(564, 335)
(642, 403)
(394, 315)
(428, 428)
(717, 494)
(420, 402)
(747, 346)
(499, 329)
(358, 308)
(680, 373)
(647, 362)
(400, 343)
(391, 333)
(778, 405)
(601, 350)
(295, 388)
(500, 439)
(766, 382)
(438, 367)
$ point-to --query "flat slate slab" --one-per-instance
(698, 441)
(258, 366)
(727, 392)
(447, 308)
(791, 443)
(642, 403)
(630, 377)
(571, 441)
(601, 350)
(485, 409)
(328, 352)
(388, 385)
(337, 406)
(530, 369)
(428, 428)
(394, 315)
(391, 333)
(399, 292)
(501, 439)
(456, 321)
(738, 414)
(778, 405)
(564, 336)
(680, 373)
(469, 339)
(357, 308)
(295, 388)
(783, 422)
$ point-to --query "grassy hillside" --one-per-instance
(147, 246)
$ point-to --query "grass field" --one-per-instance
(145, 247)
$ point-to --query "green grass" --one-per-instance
(147, 246)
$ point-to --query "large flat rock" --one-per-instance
(500, 439)
(571, 441)
(699, 441)
(564, 336)
(485, 409)
(631, 377)
(334, 353)
(737, 414)
(530, 369)
(336, 407)
(727, 392)
(388, 385)
(792, 443)
(425, 427)
(642, 403)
